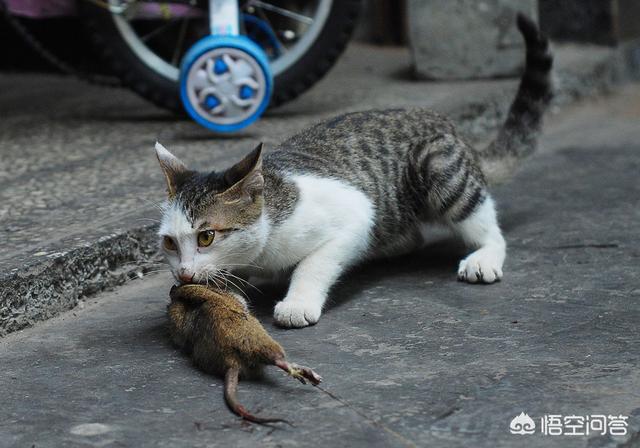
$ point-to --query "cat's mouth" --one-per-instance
(222, 279)
(193, 281)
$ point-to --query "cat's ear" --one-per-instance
(172, 167)
(245, 177)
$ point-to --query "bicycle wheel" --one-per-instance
(143, 43)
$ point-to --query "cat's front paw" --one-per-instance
(296, 314)
(482, 266)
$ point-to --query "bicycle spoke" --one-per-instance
(157, 31)
(275, 35)
(182, 33)
(283, 12)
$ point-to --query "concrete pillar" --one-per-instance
(466, 39)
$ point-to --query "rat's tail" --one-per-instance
(230, 390)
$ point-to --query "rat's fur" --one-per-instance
(224, 338)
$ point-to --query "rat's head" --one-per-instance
(211, 221)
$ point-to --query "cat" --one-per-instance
(355, 187)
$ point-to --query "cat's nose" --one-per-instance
(186, 276)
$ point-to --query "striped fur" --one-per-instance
(357, 186)
(518, 137)
(412, 163)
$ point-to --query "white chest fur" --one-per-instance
(326, 210)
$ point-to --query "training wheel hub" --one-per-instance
(226, 82)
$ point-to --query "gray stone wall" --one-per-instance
(466, 39)
(606, 22)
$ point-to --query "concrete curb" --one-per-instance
(57, 283)
(65, 275)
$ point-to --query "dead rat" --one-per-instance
(224, 338)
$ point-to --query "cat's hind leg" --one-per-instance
(455, 191)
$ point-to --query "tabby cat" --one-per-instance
(354, 187)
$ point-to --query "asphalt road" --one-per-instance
(414, 357)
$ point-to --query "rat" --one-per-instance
(222, 337)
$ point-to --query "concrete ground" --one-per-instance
(75, 150)
(411, 356)
(79, 176)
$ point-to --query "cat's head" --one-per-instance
(214, 221)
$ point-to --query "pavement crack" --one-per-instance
(587, 246)
(371, 420)
(447, 413)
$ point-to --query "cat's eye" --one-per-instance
(168, 243)
(205, 238)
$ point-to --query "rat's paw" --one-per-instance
(482, 266)
(296, 314)
(302, 372)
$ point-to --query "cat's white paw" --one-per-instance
(482, 266)
(296, 314)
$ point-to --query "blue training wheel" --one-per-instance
(225, 82)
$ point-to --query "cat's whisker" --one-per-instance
(243, 281)
(213, 279)
(156, 204)
(157, 271)
(144, 269)
(397, 171)
(233, 254)
(244, 265)
(227, 279)
(238, 279)
(236, 254)
(149, 219)
(131, 277)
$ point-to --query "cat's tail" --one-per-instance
(519, 134)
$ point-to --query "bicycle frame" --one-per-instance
(41, 9)
(45, 9)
